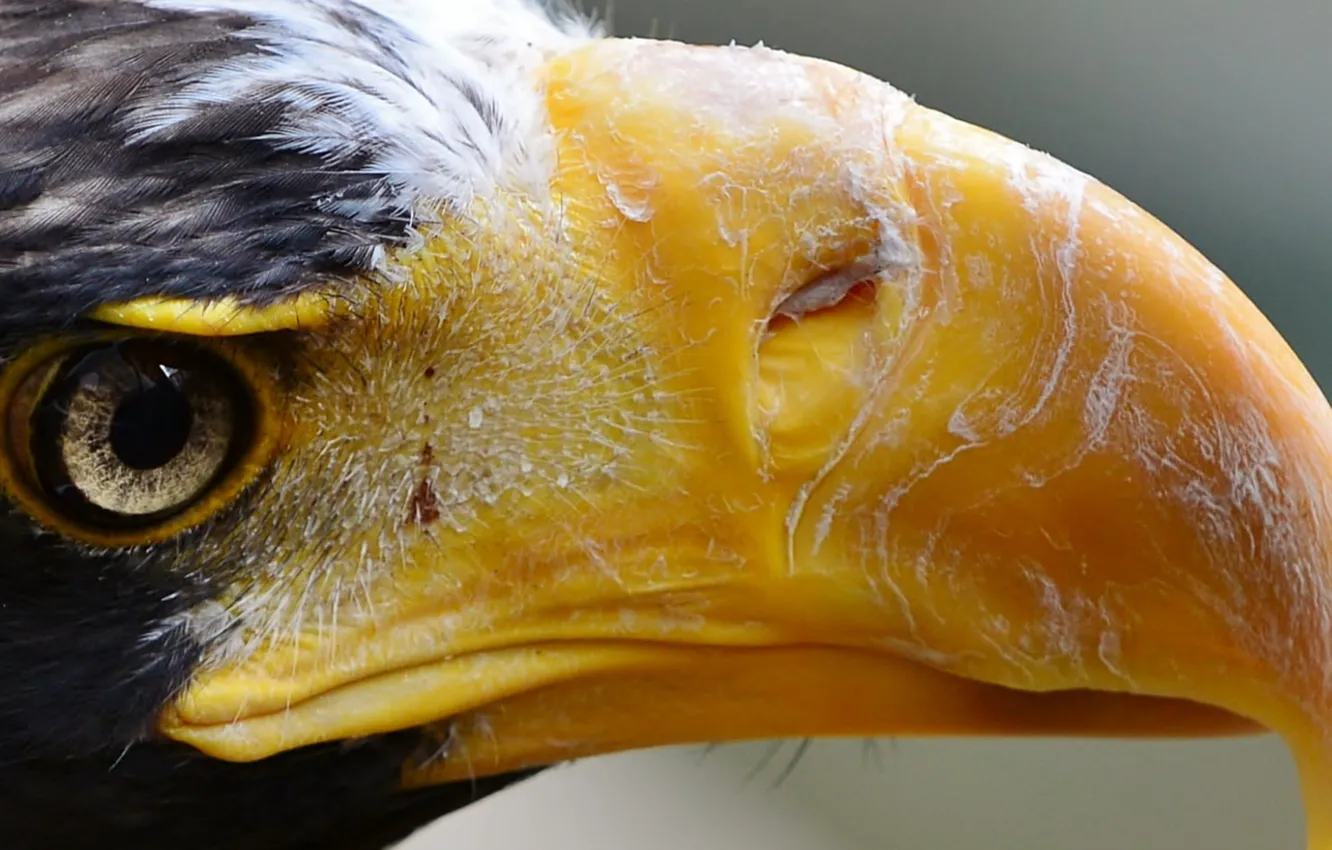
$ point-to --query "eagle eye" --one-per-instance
(125, 435)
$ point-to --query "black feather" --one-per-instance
(167, 797)
(93, 212)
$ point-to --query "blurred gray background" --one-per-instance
(1216, 116)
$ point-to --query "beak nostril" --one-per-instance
(812, 367)
(852, 283)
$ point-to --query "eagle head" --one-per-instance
(398, 396)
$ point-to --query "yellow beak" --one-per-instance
(911, 430)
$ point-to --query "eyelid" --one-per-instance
(224, 317)
(27, 393)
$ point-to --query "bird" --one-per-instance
(400, 397)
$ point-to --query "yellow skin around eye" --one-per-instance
(24, 382)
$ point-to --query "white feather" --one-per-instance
(413, 73)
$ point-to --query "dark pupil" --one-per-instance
(151, 426)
